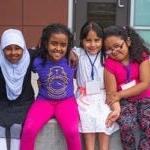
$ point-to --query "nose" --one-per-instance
(13, 51)
(58, 47)
(92, 43)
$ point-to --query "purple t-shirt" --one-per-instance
(56, 79)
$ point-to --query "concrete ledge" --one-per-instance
(51, 138)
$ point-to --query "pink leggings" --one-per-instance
(42, 111)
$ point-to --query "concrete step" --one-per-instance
(51, 138)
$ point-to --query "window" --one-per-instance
(140, 18)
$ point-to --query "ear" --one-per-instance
(128, 42)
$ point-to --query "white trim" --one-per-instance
(132, 13)
(132, 18)
(70, 14)
(142, 27)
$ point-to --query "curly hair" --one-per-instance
(47, 32)
(138, 46)
(86, 28)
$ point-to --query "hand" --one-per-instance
(38, 83)
(83, 99)
(112, 117)
(112, 97)
(73, 59)
(83, 104)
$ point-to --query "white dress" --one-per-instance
(92, 107)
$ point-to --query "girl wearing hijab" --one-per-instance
(16, 92)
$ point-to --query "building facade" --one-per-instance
(32, 15)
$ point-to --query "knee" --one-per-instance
(29, 129)
(72, 132)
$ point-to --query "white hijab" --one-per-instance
(14, 73)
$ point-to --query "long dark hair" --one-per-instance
(86, 28)
(47, 33)
(138, 46)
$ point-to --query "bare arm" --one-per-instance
(73, 59)
(111, 87)
(110, 81)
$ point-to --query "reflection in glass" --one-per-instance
(145, 35)
(141, 13)
(105, 13)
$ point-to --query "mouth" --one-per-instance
(56, 55)
(57, 52)
(14, 57)
(93, 51)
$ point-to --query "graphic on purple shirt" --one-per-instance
(57, 82)
(56, 79)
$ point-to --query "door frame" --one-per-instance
(77, 17)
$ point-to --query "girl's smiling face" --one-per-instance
(117, 48)
(57, 46)
(13, 53)
(92, 43)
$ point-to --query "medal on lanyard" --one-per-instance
(92, 64)
(128, 68)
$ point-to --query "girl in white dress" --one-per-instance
(90, 92)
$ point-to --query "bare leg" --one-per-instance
(89, 139)
(103, 140)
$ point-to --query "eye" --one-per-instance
(53, 43)
(8, 48)
(97, 40)
(88, 40)
(17, 47)
(119, 46)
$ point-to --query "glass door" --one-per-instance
(106, 12)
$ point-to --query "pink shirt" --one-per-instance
(125, 74)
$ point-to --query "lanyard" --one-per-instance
(92, 64)
(128, 69)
